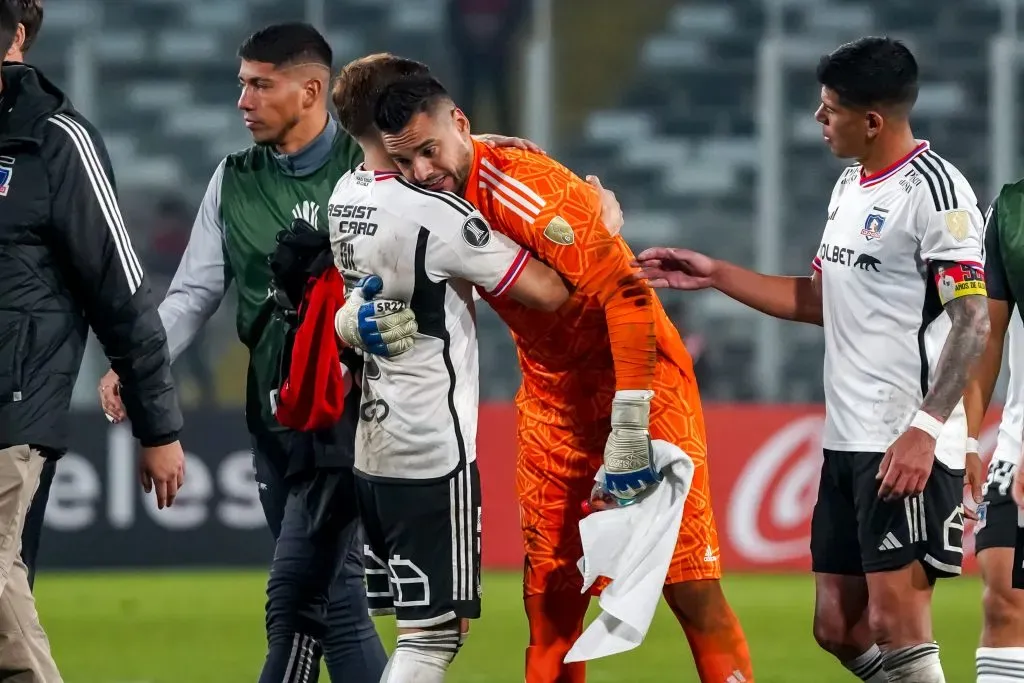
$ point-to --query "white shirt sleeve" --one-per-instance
(949, 223)
(464, 246)
(202, 277)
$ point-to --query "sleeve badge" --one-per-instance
(958, 222)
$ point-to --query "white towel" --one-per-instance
(633, 547)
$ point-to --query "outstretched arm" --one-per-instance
(788, 298)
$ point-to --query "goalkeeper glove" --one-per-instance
(383, 327)
(627, 455)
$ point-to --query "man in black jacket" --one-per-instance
(29, 23)
(67, 264)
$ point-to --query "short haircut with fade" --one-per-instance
(871, 72)
(10, 17)
(360, 84)
(32, 20)
(287, 45)
(404, 99)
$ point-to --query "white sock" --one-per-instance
(868, 666)
(914, 664)
(421, 657)
(1000, 664)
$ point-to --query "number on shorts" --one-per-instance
(1000, 473)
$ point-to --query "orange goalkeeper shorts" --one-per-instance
(555, 474)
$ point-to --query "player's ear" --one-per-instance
(19, 40)
(312, 92)
(874, 123)
(460, 120)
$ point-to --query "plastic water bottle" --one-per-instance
(603, 499)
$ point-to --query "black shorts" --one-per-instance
(1017, 577)
(422, 552)
(854, 532)
(997, 514)
(999, 519)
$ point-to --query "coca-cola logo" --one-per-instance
(771, 503)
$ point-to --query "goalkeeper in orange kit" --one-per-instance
(602, 376)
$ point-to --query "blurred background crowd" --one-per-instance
(697, 113)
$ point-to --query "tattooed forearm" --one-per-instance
(963, 346)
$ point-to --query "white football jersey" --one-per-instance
(883, 318)
(1011, 424)
(418, 417)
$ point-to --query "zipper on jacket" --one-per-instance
(20, 349)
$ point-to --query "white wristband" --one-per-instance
(973, 446)
(927, 424)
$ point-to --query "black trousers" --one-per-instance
(316, 595)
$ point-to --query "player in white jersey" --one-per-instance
(898, 287)
(418, 485)
(1000, 655)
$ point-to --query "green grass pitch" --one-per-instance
(208, 628)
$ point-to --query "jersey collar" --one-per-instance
(378, 175)
(891, 170)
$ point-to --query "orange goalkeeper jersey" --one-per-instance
(613, 330)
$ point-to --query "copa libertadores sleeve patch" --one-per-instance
(960, 279)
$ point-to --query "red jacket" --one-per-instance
(312, 394)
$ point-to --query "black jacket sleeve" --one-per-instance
(106, 276)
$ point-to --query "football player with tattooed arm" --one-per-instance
(900, 339)
(998, 537)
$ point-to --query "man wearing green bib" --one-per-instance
(304, 478)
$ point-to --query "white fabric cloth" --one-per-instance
(633, 547)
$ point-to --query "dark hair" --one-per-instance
(10, 17)
(32, 20)
(287, 45)
(403, 99)
(870, 72)
(360, 84)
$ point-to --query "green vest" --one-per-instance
(258, 199)
(1010, 208)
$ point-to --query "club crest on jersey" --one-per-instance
(874, 223)
(559, 231)
(6, 171)
(958, 222)
(475, 232)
